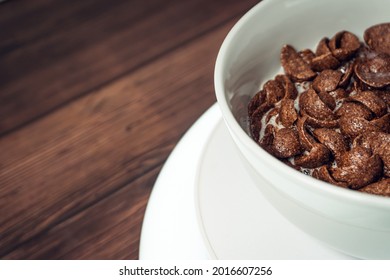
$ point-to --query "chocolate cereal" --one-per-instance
(328, 115)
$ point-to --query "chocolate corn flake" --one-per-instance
(322, 173)
(306, 139)
(348, 72)
(359, 175)
(374, 71)
(327, 80)
(323, 47)
(290, 91)
(327, 99)
(294, 65)
(377, 38)
(325, 61)
(328, 115)
(379, 143)
(374, 103)
(353, 109)
(317, 156)
(343, 45)
(354, 126)
(317, 123)
(384, 95)
(333, 140)
(286, 143)
(288, 114)
(338, 94)
(307, 56)
(381, 187)
(311, 104)
(382, 123)
(358, 167)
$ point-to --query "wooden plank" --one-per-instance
(28, 21)
(69, 160)
(110, 229)
(43, 68)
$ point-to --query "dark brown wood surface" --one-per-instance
(94, 95)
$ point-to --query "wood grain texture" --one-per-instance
(75, 182)
(56, 51)
(109, 229)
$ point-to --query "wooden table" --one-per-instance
(94, 95)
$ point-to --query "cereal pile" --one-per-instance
(328, 115)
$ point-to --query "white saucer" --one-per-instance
(170, 229)
(204, 205)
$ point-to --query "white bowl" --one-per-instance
(352, 222)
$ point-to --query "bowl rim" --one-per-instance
(304, 181)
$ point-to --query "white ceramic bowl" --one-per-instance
(354, 223)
